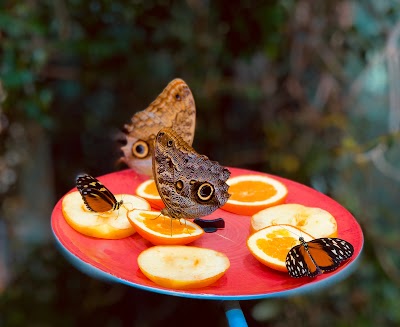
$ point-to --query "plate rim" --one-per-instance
(307, 287)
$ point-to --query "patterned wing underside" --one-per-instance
(95, 195)
(317, 256)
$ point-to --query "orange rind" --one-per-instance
(252, 193)
(271, 245)
(162, 230)
(148, 191)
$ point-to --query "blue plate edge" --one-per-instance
(97, 273)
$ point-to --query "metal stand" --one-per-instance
(234, 314)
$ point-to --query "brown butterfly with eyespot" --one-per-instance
(190, 184)
(174, 108)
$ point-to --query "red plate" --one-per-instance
(115, 260)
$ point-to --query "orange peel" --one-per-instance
(252, 193)
(162, 230)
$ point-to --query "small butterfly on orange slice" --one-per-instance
(317, 256)
(96, 196)
(101, 214)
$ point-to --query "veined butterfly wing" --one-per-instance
(317, 256)
(95, 195)
(174, 108)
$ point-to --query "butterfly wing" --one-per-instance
(328, 253)
(316, 256)
(174, 107)
(95, 195)
(190, 184)
(299, 263)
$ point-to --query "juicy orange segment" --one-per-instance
(314, 221)
(148, 190)
(162, 230)
(252, 193)
(182, 267)
(271, 245)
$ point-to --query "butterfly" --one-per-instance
(174, 108)
(190, 184)
(96, 196)
(317, 256)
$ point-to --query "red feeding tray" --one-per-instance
(116, 260)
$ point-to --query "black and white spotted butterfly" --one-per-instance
(317, 256)
(96, 196)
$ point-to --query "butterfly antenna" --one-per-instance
(186, 226)
(290, 231)
(156, 217)
(224, 237)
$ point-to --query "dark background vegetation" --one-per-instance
(308, 90)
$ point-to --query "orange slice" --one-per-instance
(109, 225)
(314, 221)
(271, 245)
(252, 193)
(182, 267)
(148, 190)
(156, 228)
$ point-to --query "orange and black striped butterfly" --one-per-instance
(96, 196)
(317, 256)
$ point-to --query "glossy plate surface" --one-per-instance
(115, 260)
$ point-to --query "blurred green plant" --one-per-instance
(300, 89)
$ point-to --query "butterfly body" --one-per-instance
(190, 184)
(95, 195)
(174, 108)
(317, 256)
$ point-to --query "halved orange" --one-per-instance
(315, 221)
(182, 267)
(252, 193)
(161, 230)
(109, 225)
(271, 245)
(148, 190)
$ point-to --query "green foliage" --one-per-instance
(295, 88)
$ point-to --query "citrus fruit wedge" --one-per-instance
(252, 193)
(182, 267)
(162, 230)
(148, 191)
(314, 221)
(109, 225)
(271, 245)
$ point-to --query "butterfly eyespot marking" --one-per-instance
(205, 191)
(179, 185)
(178, 97)
(170, 143)
(140, 149)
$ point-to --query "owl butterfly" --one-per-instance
(190, 184)
(173, 108)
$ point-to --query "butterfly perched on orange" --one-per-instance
(317, 256)
(96, 196)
